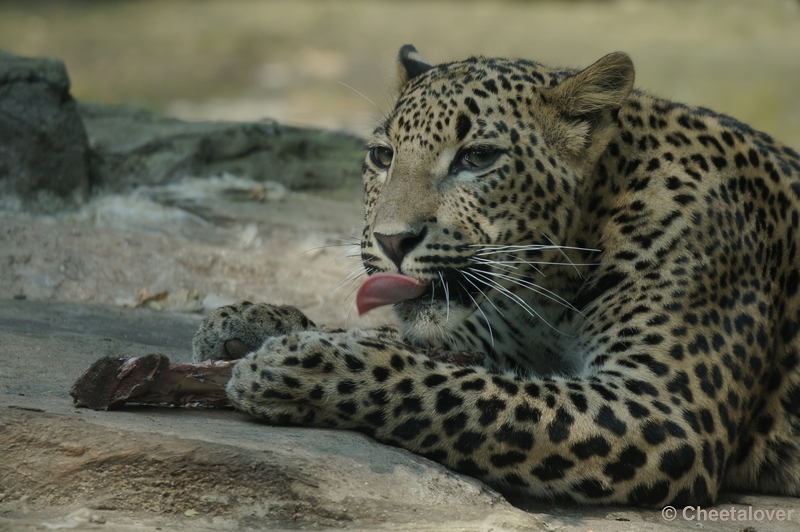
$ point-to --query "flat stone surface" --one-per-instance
(144, 468)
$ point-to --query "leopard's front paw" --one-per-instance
(232, 331)
(306, 378)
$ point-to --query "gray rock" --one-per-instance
(133, 147)
(43, 144)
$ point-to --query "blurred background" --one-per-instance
(330, 63)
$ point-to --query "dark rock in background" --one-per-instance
(133, 147)
(43, 144)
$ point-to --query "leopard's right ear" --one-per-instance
(410, 64)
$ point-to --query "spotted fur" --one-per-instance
(626, 265)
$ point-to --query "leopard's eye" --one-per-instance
(381, 156)
(477, 157)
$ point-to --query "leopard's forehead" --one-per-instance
(429, 102)
(494, 73)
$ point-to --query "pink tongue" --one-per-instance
(385, 289)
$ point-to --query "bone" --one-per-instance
(110, 383)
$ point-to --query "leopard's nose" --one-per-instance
(397, 246)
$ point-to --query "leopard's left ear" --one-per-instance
(604, 85)
(580, 112)
(410, 64)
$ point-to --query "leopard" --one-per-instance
(596, 292)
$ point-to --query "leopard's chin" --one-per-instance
(430, 322)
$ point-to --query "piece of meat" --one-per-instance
(109, 383)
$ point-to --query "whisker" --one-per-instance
(360, 94)
(350, 308)
(561, 250)
(550, 263)
(531, 263)
(468, 274)
(355, 264)
(514, 278)
(446, 296)
(492, 262)
(352, 243)
(542, 291)
(489, 249)
(488, 325)
(532, 246)
(517, 299)
(351, 278)
(351, 293)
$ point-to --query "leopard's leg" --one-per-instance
(768, 457)
(606, 438)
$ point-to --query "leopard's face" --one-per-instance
(472, 185)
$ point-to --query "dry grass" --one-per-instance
(294, 59)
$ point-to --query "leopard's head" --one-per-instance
(473, 184)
